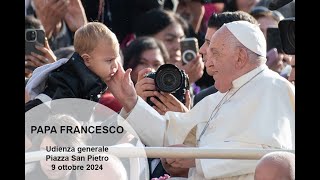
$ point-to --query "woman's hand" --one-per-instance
(75, 16)
(170, 103)
(36, 60)
(194, 68)
(51, 13)
(145, 87)
(47, 52)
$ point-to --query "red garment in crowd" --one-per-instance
(110, 101)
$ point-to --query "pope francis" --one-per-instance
(254, 107)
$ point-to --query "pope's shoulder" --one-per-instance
(272, 80)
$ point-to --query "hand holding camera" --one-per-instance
(161, 102)
(164, 102)
(37, 50)
(191, 62)
(170, 79)
(277, 61)
(145, 86)
(171, 82)
(194, 68)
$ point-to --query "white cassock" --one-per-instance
(260, 115)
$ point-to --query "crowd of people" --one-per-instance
(240, 91)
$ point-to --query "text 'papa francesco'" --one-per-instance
(76, 129)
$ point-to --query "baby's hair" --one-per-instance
(87, 37)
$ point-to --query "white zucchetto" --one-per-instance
(249, 35)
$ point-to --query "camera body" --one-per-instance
(34, 37)
(286, 27)
(168, 78)
(189, 49)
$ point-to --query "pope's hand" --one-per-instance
(178, 167)
(181, 163)
(121, 86)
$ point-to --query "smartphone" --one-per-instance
(189, 49)
(34, 37)
(273, 39)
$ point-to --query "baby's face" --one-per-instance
(103, 60)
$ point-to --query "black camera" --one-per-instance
(286, 27)
(169, 78)
(287, 34)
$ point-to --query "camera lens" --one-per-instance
(31, 35)
(188, 56)
(168, 78)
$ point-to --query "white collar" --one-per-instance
(240, 81)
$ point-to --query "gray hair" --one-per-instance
(253, 57)
(286, 159)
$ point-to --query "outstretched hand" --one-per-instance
(121, 86)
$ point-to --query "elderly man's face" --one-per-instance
(220, 61)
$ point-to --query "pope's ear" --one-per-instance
(243, 58)
(86, 59)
